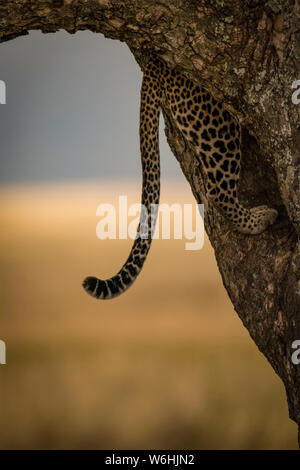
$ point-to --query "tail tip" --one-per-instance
(89, 284)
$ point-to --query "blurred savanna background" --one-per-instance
(169, 364)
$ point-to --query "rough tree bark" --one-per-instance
(247, 54)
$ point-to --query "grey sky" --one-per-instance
(72, 110)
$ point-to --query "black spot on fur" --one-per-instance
(206, 147)
(219, 175)
(231, 145)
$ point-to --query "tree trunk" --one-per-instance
(247, 55)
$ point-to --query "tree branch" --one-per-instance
(247, 55)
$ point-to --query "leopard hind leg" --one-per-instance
(223, 171)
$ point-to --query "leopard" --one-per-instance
(214, 134)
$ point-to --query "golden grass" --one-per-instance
(167, 365)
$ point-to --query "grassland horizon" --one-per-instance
(167, 365)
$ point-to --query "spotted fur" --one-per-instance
(216, 138)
